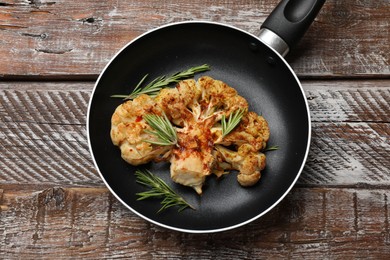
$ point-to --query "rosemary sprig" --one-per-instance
(158, 83)
(232, 122)
(159, 189)
(136, 91)
(163, 129)
(271, 148)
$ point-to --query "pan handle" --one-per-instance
(288, 22)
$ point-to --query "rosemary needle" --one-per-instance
(271, 148)
(158, 83)
(159, 189)
(233, 120)
(163, 129)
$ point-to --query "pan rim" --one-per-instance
(199, 231)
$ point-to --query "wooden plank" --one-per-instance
(348, 101)
(76, 39)
(329, 101)
(43, 135)
(89, 223)
(348, 154)
(61, 103)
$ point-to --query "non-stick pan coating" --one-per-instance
(243, 62)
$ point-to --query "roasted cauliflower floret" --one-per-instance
(219, 99)
(195, 109)
(128, 131)
(249, 138)
(253, 129)
(247, 160)
(192, 160)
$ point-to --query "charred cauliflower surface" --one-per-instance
(195, 108)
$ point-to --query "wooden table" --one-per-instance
(53, 203)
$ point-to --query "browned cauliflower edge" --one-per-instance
(195, 108)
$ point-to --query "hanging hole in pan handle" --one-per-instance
(288, 22)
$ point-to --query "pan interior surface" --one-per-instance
(243, 62)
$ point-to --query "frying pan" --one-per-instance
(255, 67)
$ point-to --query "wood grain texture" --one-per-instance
(349, 101)
(89, 223)
(66, 39)
(53, 203)
(348, 154)
(43, 135)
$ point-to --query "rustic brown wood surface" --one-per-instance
(73, 39)
(53, 203)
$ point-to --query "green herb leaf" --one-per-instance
(271, 148)
(233, 120)
(163, 129)
(158, 83)
(159, 189)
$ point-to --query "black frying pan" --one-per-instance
(255, 67)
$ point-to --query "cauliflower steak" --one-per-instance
(195, 108)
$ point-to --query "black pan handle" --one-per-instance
(288, 22)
